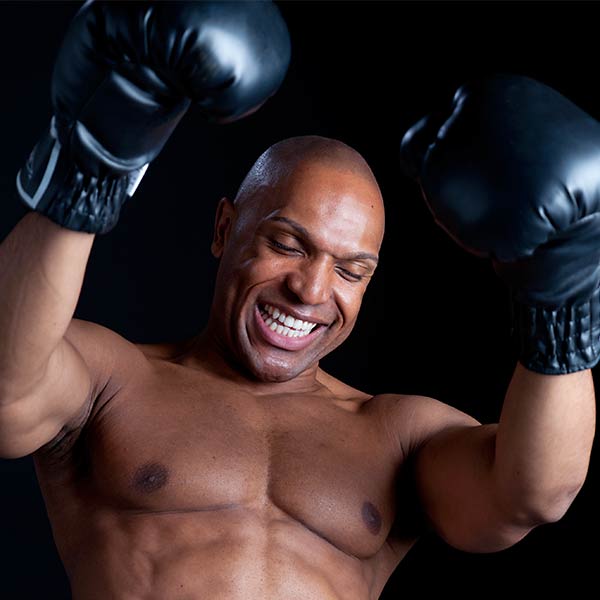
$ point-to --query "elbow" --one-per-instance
(547, 507)
(504, 523)
(12, 451)
(556, 510)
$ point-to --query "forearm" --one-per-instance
(42, 267)
(543, 442)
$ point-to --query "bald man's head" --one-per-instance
(283, 158)
(304, 236)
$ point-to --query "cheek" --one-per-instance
(349, 300)
(238, 258)
(268, 263)
(254, 265)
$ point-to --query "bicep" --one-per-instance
(29, 422)
(62, 400)
(455, 482)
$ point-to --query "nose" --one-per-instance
(311, 281)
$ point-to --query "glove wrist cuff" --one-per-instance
(560, 340)
(52, 184)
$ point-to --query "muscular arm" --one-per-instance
(536, 216)
(485, 487)
(44, 380)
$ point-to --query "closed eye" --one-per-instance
(283, 248)
(349, 274)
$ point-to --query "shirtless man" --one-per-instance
(230, 466)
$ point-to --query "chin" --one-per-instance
(272, 373)
(274, 377)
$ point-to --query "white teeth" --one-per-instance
(285, 325)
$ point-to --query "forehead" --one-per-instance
(316, 191)
(338, 207)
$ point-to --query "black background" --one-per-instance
(435, 320)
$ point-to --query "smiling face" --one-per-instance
(297, 250)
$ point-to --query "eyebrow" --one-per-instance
(304, 232)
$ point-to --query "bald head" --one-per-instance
(282, 159)
(304, 235)
(319, 180)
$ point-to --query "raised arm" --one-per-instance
(44, 381)
(511, 172)
(124, 77)
(484, 487)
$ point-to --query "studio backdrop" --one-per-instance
(435, 320)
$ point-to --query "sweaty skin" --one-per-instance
(230, 466)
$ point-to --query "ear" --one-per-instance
(223, 223)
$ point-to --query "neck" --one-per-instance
(205, 352)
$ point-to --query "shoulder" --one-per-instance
(168, 351)
(105, 351)
(102, 348)
(342, 391)
(112, 354)
(112, 362)
(413, 419)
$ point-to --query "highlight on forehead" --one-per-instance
(284, 157)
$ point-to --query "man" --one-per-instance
(231, 465)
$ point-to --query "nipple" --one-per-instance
(150, 477)
(371, 517)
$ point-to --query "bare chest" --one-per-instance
(186, 448)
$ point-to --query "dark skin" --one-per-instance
(232, 466)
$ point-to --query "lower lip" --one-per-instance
(283, 341)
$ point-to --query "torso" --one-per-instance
(182, 487)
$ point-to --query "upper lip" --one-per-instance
(293, 313)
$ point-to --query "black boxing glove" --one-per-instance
(512, 171)
(125, 75)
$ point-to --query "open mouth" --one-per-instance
(283, 324)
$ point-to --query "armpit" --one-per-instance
(60, 448)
